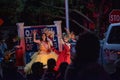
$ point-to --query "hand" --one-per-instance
(67, 30)
(34, 32)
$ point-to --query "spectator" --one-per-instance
(10, 71)
(50, 73)
(61, 71)
(3, 48)
(84, 66)
(1, 77)
(37, 71)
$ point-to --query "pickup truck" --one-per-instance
(110, 49)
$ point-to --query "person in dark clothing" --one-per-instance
(50, 73)
(1, 77)
(37, 71)
(3, 48)
(85, 63)
(61, 71)
(10, 71)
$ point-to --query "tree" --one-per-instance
(10, 11)
(86, 15)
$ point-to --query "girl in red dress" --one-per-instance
(64, 56)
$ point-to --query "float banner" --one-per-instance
(30, 46)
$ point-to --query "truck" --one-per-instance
(111, 48)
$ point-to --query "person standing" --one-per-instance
(37, 71)
(85, 65)
(44, 52)
(3, 48)
(50, 73)
(64, 55)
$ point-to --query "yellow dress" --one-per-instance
(41, 56)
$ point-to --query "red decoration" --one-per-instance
(91, 26)
(1, 21)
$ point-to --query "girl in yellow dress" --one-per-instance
(44, 53)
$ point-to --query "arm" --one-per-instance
(34, 37)
(68, 32)
(52, 33)
(62, 41)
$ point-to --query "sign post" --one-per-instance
(114, 16)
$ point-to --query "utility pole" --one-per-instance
(67, 14)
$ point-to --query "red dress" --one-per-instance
(64, 56)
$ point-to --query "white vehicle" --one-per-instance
(111, 45)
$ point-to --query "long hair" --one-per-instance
(46, 40)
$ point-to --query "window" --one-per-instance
(114, 37)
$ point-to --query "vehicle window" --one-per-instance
(114, 36)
